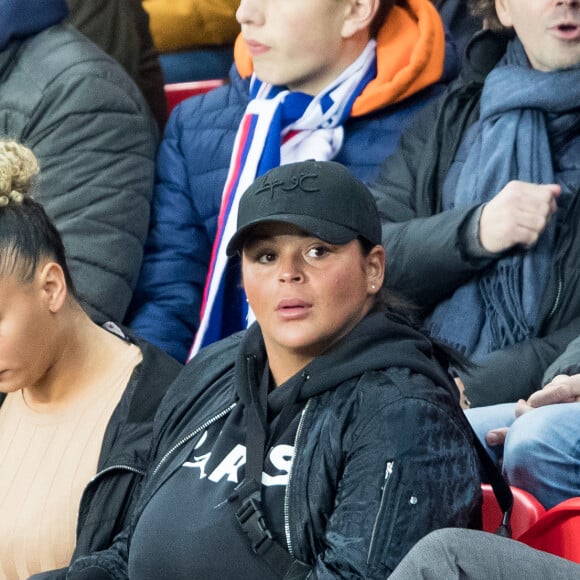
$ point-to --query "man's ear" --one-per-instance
(375, 269)
(52, 284)
(503, 13)
(359, 15)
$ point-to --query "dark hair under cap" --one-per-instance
(322, 198)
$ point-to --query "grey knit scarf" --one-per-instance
(526, 117)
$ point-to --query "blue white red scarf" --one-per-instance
(278, 127)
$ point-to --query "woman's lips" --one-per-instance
(293, 309)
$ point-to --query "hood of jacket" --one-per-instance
(23, 18)
(482, 53)
(411, 54)
(378, 342)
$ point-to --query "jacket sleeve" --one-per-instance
(95, 140)
(167, 300)
(422, 243)
(110, 564)
(182, 24)
(59, 574)
(409, 469)
(517, 371)
(566, 364)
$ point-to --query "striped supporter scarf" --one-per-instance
(278, 127)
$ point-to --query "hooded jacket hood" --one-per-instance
(410, 56)
(378, 342)
(482, 53)
(23, 18)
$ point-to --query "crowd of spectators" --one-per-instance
(461, 117)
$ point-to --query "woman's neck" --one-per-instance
(87, 351)
(285, 366)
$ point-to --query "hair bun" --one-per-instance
(18, 168)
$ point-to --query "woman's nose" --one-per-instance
(289, 270)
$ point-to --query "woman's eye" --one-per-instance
(317, 251)
(266, 257)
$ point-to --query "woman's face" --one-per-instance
(296, 43)
(307, 294)
(26, 347)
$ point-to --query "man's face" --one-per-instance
(548, 29)
(297, 43)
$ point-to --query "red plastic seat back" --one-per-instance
(177, 92)
(526, 512)
(557, 531)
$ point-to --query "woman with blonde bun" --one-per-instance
(76, 399)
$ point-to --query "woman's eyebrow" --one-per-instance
(252, 240)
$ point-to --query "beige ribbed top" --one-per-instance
(46, 460)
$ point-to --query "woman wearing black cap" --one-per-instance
(322, 442)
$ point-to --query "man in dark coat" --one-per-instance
(480, 204)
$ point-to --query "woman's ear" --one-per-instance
(52, 283)
(359, 16)
(375, 269)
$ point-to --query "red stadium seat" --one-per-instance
(527, 511)
(557, 531)
(177, 92)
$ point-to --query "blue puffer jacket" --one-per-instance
(192, 166)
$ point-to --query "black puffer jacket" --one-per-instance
(382, 456)
(426, 254)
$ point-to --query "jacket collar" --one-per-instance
(482, 53)
(378, 342)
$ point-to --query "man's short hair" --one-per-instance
(384, 9)
(485, 9)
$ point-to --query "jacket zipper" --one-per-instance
(118, 466)
(388, 473)
(558, 298)
(164, 458)
(188, 437)
(286, 495)
(114, 467)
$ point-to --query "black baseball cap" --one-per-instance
(320, 197)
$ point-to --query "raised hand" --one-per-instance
(517, 215)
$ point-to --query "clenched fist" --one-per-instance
(517, 215)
